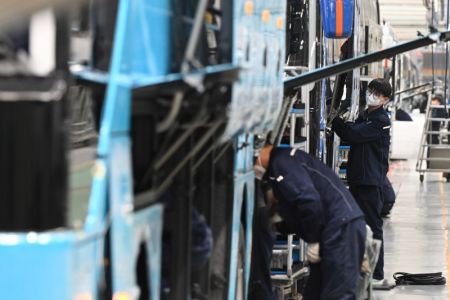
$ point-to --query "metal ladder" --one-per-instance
(291, 118)
(289, 260)
(432, 157)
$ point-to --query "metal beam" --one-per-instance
(418, 93)
(413, 88)
(360, 61)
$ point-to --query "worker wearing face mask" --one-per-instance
(368, 162)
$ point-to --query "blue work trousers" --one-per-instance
(337, 276)
(370, 200)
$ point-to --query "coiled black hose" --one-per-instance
(402, 278)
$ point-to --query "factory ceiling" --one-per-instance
(409, 16)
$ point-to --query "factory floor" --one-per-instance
(82, 161)
(417, 233)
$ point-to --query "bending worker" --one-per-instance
(315, 205)
(369, 139)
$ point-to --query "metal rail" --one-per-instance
(418, 93)
(350, 64)
(413, 88)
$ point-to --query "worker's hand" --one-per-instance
(312, 252)
(259, 171)
(344, 115)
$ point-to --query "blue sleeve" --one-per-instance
(297, 188)
(363, 132)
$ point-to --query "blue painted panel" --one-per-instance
(278, 29)
(50, 265)
(148, 225)
(129, 229)
(277, 272)
(66, 264)
(96, 215)
(141, 50)
(89, 74)
(259, 37)
(143, 80)
(284, 146)
(240, 183)
(121, 217)
(249, 224)
(241, 107)
(116, 115)
(243, 160)
(147, 45)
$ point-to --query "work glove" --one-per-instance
(312, 252)
(344, 115)
(259, 171)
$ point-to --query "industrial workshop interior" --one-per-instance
(224, 149)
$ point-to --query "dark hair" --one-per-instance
(438, 98)
(380, 86)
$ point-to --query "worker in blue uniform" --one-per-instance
(315, 205)
(369, 139)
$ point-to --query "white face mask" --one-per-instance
(373, 100)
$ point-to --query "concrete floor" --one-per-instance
(417, 234)
(81, 164)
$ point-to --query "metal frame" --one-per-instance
(128, 229)
(287, 283)
(69, 263)
(349, 64)
(425, 148)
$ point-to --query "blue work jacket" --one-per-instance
(369, 140)
(312, 199)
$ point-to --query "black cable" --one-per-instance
(402, 278)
